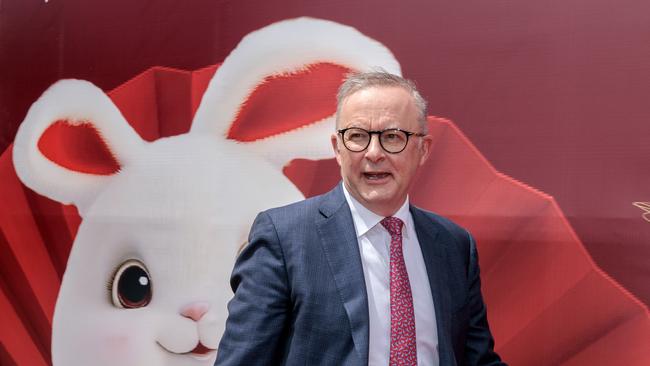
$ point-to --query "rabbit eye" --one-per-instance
(131, 286)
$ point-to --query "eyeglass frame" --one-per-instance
(379, 133)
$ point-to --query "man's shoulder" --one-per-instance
(297, 224)
(441, 222)
(456, 240)
(305, 210)
(298, 207)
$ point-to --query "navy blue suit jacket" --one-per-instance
(300, 295)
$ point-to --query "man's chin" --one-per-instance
(381, 203)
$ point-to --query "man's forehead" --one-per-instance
(378, 98)
(384, 101)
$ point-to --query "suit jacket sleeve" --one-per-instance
(479, 348)
(258, 312)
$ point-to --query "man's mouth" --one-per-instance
(376, 176)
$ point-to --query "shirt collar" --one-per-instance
(364, 219)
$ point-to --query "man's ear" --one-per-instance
(335, 147)
(425, 148)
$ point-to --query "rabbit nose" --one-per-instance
(195, 310)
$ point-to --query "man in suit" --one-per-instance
(358, 276)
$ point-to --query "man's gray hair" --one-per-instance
(355, 82)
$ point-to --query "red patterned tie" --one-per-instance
(402, 319)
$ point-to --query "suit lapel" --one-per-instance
(433, 245)
(339, 242)
(341, 248)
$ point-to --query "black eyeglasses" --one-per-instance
(392, 140)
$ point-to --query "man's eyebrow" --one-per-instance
(390, 125)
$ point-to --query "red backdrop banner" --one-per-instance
(544, 161)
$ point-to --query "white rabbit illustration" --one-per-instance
(147, 278)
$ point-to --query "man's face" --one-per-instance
(377, 179)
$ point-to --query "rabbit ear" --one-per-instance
(276, 91)
(71, 141)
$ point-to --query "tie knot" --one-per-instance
(393, 225)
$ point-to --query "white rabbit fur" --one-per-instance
(180, 205)
(180, 241)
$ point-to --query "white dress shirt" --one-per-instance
(374, 243)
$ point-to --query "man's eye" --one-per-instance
(356, 135)
(393, 136)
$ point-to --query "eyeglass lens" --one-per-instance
(357, 139)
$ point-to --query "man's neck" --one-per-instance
(381, 211)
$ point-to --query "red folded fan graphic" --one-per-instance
(548, 303)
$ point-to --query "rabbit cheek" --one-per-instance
(107, 341)
(211, 328)
(179, 338)
(128, 348)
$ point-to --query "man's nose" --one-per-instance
(374, 152)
